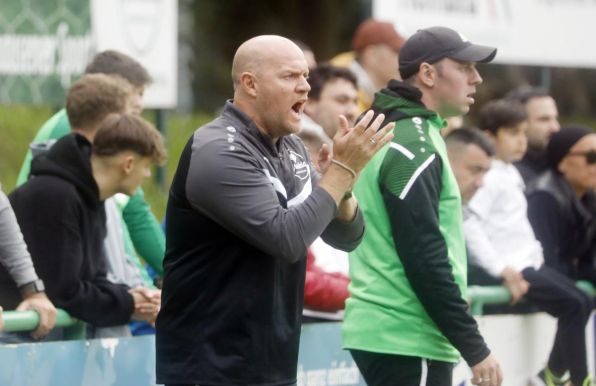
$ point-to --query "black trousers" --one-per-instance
(557, 295)
(390, 370)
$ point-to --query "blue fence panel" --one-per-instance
(131, 361)
(114, 362)
(322, 362)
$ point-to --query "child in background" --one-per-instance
(500, 240)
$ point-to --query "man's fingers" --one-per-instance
(148, 294)
(487, 374)
(374, 126)
(515, 294)
(47, 320)
(52, 317)
(484, 378)
(476, 376)
(499, 376)
(494, 377)
(384, 135)
(363, 124)
(43, 328)
(526, 286)
(343, 126)
(324, 153)
(388, 128)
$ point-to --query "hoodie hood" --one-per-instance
(400, 100)
(70, 159)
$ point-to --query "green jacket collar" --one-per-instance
(400, 100)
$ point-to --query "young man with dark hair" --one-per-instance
(469, 152)
(65, 200)
(407, 320)
(543, 121)
(318, 78)
(333, 92)
(501, 241)
(141, 232)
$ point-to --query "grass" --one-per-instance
(19, 124)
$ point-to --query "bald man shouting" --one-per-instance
(244, 206)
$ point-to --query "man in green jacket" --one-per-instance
(142, 232)
(407, 320)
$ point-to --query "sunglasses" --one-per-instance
(590, 156)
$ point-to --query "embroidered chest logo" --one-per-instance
(301, 169)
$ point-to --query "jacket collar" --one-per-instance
(400, 100)
(231, 111)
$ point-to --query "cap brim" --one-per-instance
(475, 53)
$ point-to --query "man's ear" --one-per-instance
(127, 163)
(427, 75)
(248, 82)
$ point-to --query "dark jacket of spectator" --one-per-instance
(532, 165)
(63, 222)
(564, 224)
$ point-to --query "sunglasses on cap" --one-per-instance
(590, 156)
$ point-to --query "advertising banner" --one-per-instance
(529, 32)
(46, 45)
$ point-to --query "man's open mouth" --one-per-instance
(298, 107)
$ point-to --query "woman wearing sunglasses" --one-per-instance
(562, 203)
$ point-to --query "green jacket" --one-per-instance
(142, 231)
(408, 275)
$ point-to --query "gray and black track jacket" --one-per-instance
(241, 214)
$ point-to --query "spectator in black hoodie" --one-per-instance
(61, 214)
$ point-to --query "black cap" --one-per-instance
(562, 141)
(435, 43)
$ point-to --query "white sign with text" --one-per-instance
(529, 32)
(147, 30)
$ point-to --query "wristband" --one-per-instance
(345, 167)
(348, 193)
